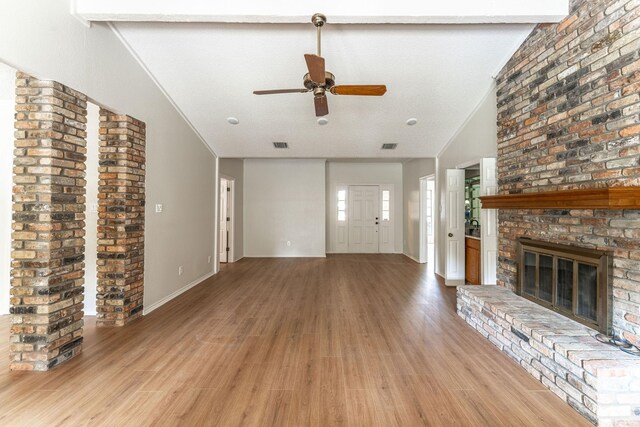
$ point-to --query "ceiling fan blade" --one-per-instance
(315, 64)
(322, 107)
(362, 90)
(271, 92)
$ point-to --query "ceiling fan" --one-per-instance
(319, 81)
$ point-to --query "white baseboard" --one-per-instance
(412, 258)
(171, 296)
(287, 256)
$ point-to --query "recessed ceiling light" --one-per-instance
(412, 121)
(233, 120)
(322, 121)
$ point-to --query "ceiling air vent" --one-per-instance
(389, 146)
(280, 145)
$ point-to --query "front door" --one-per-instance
(364, 211)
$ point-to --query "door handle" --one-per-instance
(450, 234)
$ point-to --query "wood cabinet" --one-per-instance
(472, 261)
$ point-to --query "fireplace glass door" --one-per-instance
(573, 282)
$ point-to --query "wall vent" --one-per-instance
(389, 146)
(280, 145)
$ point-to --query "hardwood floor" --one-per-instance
(354, 340)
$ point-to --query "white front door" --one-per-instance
(455, 238)
(224, 184)
(364, 211)
(489, 223)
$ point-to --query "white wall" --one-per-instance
(343, 173)
(412, 171)
(234, 168)
(476, 139)
(43, 39)
(284, 200)
(7, 111)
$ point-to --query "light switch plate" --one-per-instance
(159, 208)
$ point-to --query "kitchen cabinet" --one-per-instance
(472, 260)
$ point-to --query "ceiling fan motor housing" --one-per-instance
(329, 81)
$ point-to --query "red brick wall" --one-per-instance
(47, 265)
(568, 117)
(121, 199)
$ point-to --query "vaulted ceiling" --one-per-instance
(436, 73)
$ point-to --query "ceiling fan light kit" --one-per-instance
(319, 81)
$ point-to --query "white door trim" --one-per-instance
(489, 223)
(231, 211)
(423, 248)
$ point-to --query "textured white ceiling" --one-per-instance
(435, 73)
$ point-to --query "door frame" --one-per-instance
(487, 266)
(424, 243)
(332, 204)
(231, 208)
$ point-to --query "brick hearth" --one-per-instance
(599, 381)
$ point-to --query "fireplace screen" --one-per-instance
(571, 281)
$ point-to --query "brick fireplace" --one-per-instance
(569, 120)
(568, 116)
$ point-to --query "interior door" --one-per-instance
(364, 211)
(489, 223)
(455, 237)
(223, 220)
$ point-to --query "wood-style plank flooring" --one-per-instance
(353, 340)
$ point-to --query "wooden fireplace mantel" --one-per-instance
(596, 198)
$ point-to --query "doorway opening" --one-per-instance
(226, 220)
(471, 232)
(427, 214)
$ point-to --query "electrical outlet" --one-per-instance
(180, 271)
(159, 208)
(209, 259)
(93, 208)
(288, 242)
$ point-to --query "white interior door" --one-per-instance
(224, 235)
(489, 223)
(455, 238)
(363, 218)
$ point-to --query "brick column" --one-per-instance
(121, 198)
(47, 265)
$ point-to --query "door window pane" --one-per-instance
(386, 208)
(342, 205)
